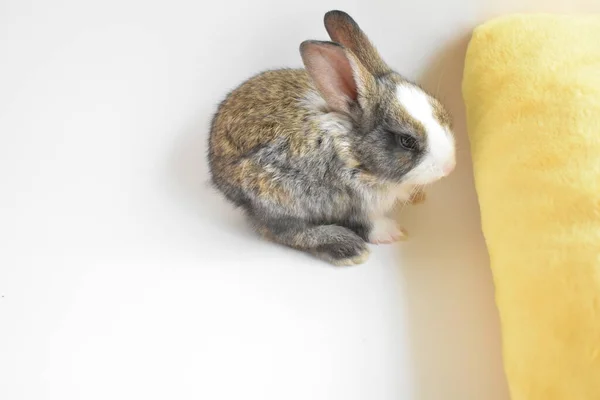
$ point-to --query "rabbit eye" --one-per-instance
(407, 141)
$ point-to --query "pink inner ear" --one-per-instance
(332, 73)
(345, 78)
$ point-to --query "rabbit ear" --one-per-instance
(337, 74)
(344, 30)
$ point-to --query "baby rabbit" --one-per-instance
(316, 157)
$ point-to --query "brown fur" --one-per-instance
(441, 114)
(261, 105)
(267, 107)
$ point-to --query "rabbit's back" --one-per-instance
(267, 147)
(263, 109)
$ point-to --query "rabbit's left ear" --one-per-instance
(338, 75)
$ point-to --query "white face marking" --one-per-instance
(439, 155)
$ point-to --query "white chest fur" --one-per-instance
(380, 201)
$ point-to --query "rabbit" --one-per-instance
(317, 157)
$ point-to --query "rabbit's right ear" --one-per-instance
(344, 30)
(338, 75)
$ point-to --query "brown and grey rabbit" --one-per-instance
(316, 157)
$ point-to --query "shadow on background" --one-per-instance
(189, 178)
(453, 322)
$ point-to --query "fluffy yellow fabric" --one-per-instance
(532, 91)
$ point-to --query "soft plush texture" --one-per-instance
(532, 92)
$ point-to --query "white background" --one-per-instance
(124, 276)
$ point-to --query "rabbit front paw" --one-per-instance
(386, 230)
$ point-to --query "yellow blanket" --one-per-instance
(532, 91)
